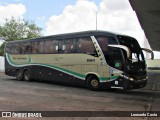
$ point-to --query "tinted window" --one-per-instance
(103, 43)
(111, 40)
(69, 46)
(37, 47)
(8, 48)
(16, 49)
(26, 47)
(51, 46)
(85, 45)
(13, 48)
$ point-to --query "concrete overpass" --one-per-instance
(148, 13)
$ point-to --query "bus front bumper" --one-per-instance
(124, 83)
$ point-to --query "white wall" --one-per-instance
(153, 63)
(1, 63)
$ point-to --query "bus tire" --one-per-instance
(27, 75)
(19, 75)
(93, 83)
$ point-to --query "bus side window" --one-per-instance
(50, 46)
(27, 47)
(61, 46)
(70, 46)
(22, 47)
(55, 46)
(85, 45)
(16, 48)
(41, 46)
(8, 48)
(103, 43)
(37, 47)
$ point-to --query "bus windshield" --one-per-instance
(119, 58)
(135, 49)
(135, 65)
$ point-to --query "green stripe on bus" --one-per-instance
(108, 78)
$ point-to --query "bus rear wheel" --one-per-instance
(19, 75)
(27, 75)
(93, 83)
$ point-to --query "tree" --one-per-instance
(2, 49)
(18, 29)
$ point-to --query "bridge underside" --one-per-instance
(148, 13)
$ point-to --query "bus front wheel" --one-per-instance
(19, 75)
(93, 83)
(27, 76)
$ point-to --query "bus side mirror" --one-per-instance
(149, 51)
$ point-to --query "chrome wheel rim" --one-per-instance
(94, 83)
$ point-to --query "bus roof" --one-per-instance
(74, 34)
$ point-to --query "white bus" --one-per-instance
(97, 59)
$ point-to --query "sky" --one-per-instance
(63, 16)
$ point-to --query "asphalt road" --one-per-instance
(46, 96)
